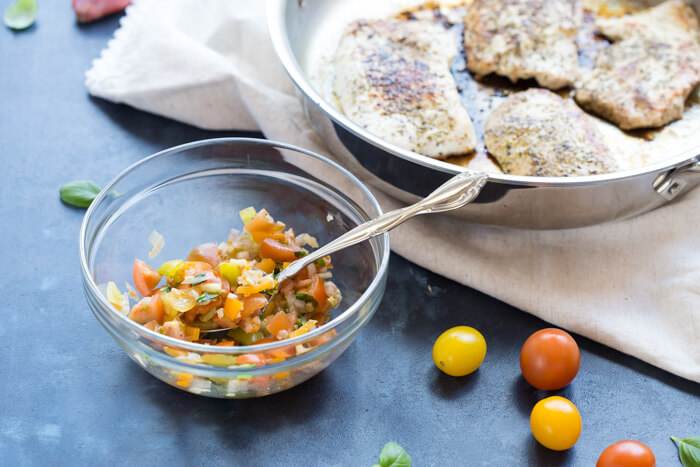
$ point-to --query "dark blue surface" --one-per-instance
(69, 396)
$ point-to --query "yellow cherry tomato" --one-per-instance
(555, 423)
(459, 351)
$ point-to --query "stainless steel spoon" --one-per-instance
(454, 193)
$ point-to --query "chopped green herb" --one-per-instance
(198, 279)
(300, 253)
(79, 193)
(320, 262)
(299, 323)
(246, 365)
(206, 296)
(165, 289)
(305, 297)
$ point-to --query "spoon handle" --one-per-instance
(454, 193)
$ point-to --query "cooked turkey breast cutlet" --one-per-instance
(643, 79)
(538, 133)
(523, 39)
(393, 78)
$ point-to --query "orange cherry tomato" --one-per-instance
(145, 278)
(627, 453)
(278, 252)
(317, 290)
(207, 253)
(555, 423)
(550, 359)
(148, 309)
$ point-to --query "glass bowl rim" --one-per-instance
(352, 310)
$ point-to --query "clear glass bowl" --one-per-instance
(192, 194)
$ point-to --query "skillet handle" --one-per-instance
(671, 184)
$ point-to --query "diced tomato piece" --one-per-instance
(148, 309)
(266, 340)
(174, 329)
(253, 303)
(261, 228)
(192, 268)
(250, 358)
(145, 278)
(207, 253)
(318, 291)
(225, 343)
(250, 324)
(224, 322)
(280, 321)
(278, 252)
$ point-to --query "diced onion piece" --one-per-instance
(211, 287)
(209, 315)
(329, 217)
(157, 242)
(114, 296)
(132, 291)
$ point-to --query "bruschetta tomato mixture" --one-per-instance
(228, 286)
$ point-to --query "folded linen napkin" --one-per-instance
(632, 285)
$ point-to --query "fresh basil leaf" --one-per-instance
(689, 450)
(206, 296)
(21, 14)
(305, 297)
(79, 193)
(300, 253)
(393, 455)
(198, 279)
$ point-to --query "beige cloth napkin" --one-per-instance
(632, 285)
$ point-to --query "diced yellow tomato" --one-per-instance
(177, 301)
(247, 214)
(148, 309)
(175, 352)
(191, 333)
(280, 321)
(266, 283)
(266, 265)
(278, 252)
(219, 360)
(184, 379)
(145, 278)
(207, 253)
(172, 269)
(261, 228)
(306, 327)
(230, 272)
(232, 307)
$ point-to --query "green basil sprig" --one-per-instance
(206, 296)
(21, 14)
(79, 193)
(393, 455)
(689, 450)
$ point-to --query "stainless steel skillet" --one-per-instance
(303, 31)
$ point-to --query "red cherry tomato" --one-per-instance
(145, 278)
(627, 453)
(550, 359)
